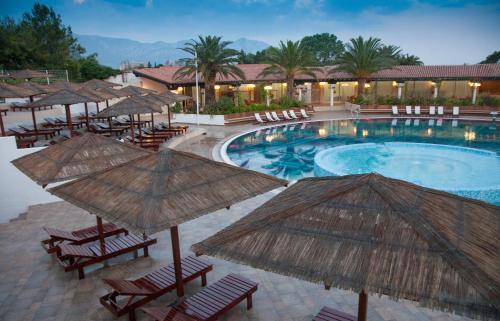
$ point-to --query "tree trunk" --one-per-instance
(289, 88)
(210, 92)
(361, 86)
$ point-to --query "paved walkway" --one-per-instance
(34, 287)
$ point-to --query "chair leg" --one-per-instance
(204, 279)
(131, 315)
(81, 273)
(249, 301)
(146, 251)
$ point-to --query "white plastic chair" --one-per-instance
(456, 111)
(408, 110)
(269, 117)
(259, 119)
(395, 111)
(286, 116)
(440, 110)
(432, 110)
(417, 110)
(294, 116)
(304, 114)
(275, 116)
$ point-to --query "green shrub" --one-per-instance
(486, 100)
(285, 101)
(176, 108)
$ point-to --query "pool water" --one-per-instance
(289, 151)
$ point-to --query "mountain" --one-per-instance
(112, 51)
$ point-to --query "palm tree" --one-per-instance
(365, 57)
(289, 60)
(214, 58)
(409, 60)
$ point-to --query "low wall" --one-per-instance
(202, 118)
(425, 108)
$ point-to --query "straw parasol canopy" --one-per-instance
(136, 91)
(35, 87)
(76, 157)
(29, 74)
(163, 190)
(130, 106)
(115, 92)
(11, 91)
(55, 87)
(375, 234)
(98, 83)
(175, 97)
(62, 97)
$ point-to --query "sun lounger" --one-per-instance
(408, 110)
(209, 303)
(4, 111)
(395, 111)
(304, 114)
(19, 132)
(329, 314)
(269, 117)
(259, 119)
(440, 111)
(78, 237)
(417, 111)
(286, 116)
(432, 110)
(275, 116)
(456, 111)
(77, 257)
(127, 295)
(293, 115)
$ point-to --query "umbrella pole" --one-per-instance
(168, 115)
(107, 104)
(97, 106)
(110, 126)
(1, 125)
(139, 126)
(176, 252)
(34, 119)
(362, 305)
(87, 115)
(132, 134)
(153, 124)
(68, 120)
(100, 230)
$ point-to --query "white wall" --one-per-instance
(203, 119)
(17, 191)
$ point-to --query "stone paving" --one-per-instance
(34, 287)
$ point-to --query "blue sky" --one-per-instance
(440, 32)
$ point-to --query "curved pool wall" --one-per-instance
(287, 150)
(454, 169)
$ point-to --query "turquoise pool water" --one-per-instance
(289, 152)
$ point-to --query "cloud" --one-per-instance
(78, 1)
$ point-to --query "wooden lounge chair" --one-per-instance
(77, 257)
(329, 314)
(209, 303)
(395, 111)
(78, 237)
(304, 114)
(151, 286)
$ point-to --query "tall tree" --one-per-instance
(325, 48)
(289, 60)
(214, 58)
(493, 58)
(409, 60)
(365, 57)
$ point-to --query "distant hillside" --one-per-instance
(112, 51)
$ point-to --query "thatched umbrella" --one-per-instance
(136, 91)
(96, 96)
(175, 98)
(11, 91)
(163, 190)
(76, 157)
(36, 88)
(375, 234)
(98, 84)
(28, 74)
(63, 97)
(55, 87)
(131, 106)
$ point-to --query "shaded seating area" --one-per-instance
(209, 303)
(77, 257)
(329, 314)
(78, 237)
(128, 295)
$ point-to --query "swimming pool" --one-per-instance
(289, 151)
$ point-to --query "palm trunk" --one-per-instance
(210, 92)
(289, 88)
(361, 86)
